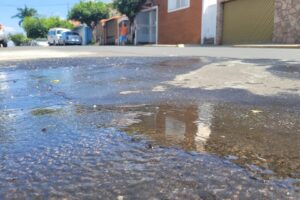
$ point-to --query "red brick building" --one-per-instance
(169, 22)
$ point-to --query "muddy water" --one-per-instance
(70, 133)
(265, 141)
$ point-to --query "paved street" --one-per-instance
(149, 122)
(113, 51)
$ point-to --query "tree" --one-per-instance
(130, 8)
(112, 11)
(36, 27)
(25, 12)
(53, 22)
(88, 12)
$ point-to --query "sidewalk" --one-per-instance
(287, 46)
(27, 53)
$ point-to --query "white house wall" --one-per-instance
(209, 21)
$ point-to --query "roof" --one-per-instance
(103, 21)
(75, 22)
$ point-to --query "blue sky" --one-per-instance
(8, 8)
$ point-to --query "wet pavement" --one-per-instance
(149, 128)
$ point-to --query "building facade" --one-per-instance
(169, 22)
(287, 22)
(107, 31)
(251, 21)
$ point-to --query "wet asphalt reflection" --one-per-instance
(91, 128)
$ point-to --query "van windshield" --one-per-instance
(59, 32)
(72, 33)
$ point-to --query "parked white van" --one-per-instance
(55, 36)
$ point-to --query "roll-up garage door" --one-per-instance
(248, 21)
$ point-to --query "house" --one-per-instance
(107, 32)
(218, 22)
(169, 22)
(83, 30)
(75, 23)
(86, 34)
(250, 21)
(98, 32)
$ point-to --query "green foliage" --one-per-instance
(19, 39)
(38, 27)
(112, 11)
(25, 12)
(129, 7)
(53, 22)
(34, 27)
(88, 12)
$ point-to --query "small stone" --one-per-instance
(120, 198)
(56, 81)
(44, 130)
(256, 111)
(149, 146)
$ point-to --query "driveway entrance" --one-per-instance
(146, 27)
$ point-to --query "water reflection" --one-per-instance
(267, 143)
(7, 119)
(205, 113)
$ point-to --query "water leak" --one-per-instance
(268, 139)
(74, 132)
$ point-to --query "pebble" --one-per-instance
(149, 146)
(44, 130)
(120, 198)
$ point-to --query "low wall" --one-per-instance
(287, 22)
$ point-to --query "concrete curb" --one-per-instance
(167, 45)
(286, 46)
(283, 46)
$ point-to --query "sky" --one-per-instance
(8, 8)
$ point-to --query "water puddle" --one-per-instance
(263, 140)
(115, 129)
(268, 138)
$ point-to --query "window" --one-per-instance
(51, 33)
(71, 33)
(174, 5)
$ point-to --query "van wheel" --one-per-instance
(5, 44)
(54, 43)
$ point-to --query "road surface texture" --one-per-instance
(149, 123)
(136, 51)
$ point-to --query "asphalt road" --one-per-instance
(146, 51)
(149, 123)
